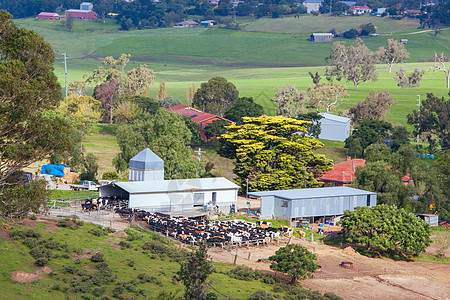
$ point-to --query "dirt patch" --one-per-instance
(24, 277)
(5, 235)
(119, 233)
(351, 252)
(86, 254)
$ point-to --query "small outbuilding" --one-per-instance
(334, 128)
(430, 219)
(311, 204)
(48, 16)
(321, 37)
(175, 195)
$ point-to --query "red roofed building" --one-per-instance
(84, 13)
(344, 173)
(197, 116)
(48, 16)
(360, 10)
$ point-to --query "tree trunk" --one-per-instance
(355, 82)
(447, 75)
(111, 114)
(390, 68)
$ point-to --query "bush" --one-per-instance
(41, 261)
(261, 295)
(351, 34)
(40, 252)
(71, 269)
(332, 296)
(163, 250)
(125, 244)
(97, 231)
(51, 244)
(30, 242)
(21, 234)
(110, 175)
(97, 257)
(70, 223)
(244, 273)
(98, 291)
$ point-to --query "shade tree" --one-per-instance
(374, 107)
(409, 80)
(243, 107)
(355, 63)
(439, 66)
(394, 53)
(216, 96)
(272, 153)
(326, 95)
(289, 101)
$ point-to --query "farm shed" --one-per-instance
(84, 13)
(175, 195)
(146, 166)
(321, 37)
(334, 128)
(432, 220)
(48, 16)
(312, 5)
(299, 204)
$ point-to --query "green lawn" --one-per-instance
(102, 142)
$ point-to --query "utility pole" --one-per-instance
(199, 153)
(65, 70)
(418, 120)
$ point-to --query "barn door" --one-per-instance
(214, 199)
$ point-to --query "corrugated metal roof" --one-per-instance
(177, 185)
(194, 114)
(147, 160)
(322, 34)
(335, 118)
(337, 191)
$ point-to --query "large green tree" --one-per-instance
(386, 229)
(295, 260)
(243, 107)
(368, 132)
(394, 53)
(273, 154)
(216, 96)
(433, 120)
(374, 107)
(166, 134)
(194, 273)
(29, 92)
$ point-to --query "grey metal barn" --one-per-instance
(334, 128)
(321, 37)
(175, 195)
(312, 203)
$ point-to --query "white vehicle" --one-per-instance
(86, 186)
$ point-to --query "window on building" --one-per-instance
(368, 200)
(284, 203)
(199, 199)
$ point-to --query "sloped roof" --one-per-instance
(194, 114)
(48, 14)
(146, 160)
(335, 118)
(336, 191)
(343, 172)
(177, 185)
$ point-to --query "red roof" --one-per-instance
(359, 7)
(194, 114)
(47, 14)
(343, 172)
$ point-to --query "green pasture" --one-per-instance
(307, 24)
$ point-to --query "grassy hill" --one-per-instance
(137, 267)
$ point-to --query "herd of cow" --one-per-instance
(104, 203)
(213, 232)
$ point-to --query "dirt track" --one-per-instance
(370, 278)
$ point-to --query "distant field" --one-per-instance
(323, 23)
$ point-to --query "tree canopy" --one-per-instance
(386, 229)
(433, 120)
(273, 154)
(216, 96)
(30, 130)
(394, 53)
(355, 63)
(82, 111)
(294, 260)
(166, 134)
(369, 132)
(374, 107)
(289, 101)
(243, 107)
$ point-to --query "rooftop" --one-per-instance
(313, 193)
(177, 185)
(194, 114)
(343, 172)
(146, 160)
(335, 118)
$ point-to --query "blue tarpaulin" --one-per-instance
(57, 170)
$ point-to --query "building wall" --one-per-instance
(315, 207)
(333, 130)
(180, 201)
(145, 175)
(267, 207)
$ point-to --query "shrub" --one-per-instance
(71, 269)
(97, 232)
(70, 223)
(97, 257)
(110, 175)
(332, 296)
(39, 252)
(98, 291)
(125, 244)
(41, 261)
(21, 234)
(51, 244)
(244, 273)
(261, 295)
(30, 242)
(211, 296)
